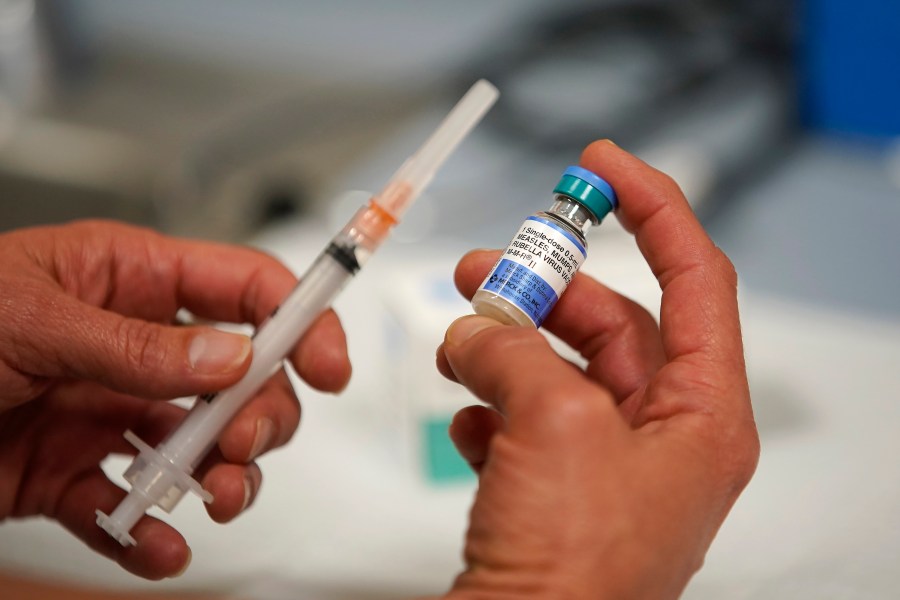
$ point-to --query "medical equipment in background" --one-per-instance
(701, 89)
(162, 475)
(546, 253)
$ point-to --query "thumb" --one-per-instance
(76, 340)
(515, 370)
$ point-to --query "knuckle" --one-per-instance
(747, 457)
(723, 265)
(740, 449)
(668, 185)
(139, 343)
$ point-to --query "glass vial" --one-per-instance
(546, 252)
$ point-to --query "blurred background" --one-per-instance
(249, 122)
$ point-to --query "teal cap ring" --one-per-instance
(588, 189)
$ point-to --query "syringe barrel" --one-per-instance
(192, 439)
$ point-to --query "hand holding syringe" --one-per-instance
(161, 476)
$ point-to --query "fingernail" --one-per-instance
(216, 351)
(264, 430)
(612, 143)
(185, 566)
(252, 480)
(248, 492)
(465, 327)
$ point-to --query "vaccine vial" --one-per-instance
(546, 252)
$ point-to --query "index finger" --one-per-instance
(151, 276)
(244, 285)
(140, 273)
(699, 314)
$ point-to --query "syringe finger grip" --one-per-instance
(150, 458)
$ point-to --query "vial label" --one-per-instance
(536, 267)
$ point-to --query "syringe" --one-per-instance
(162, 475)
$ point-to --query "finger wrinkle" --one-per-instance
(112, 267)
(692, 252)
(667, 275)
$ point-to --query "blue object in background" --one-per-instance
(850, 66)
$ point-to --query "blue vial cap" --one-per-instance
(589, 190)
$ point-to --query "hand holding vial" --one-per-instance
(609, 482)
